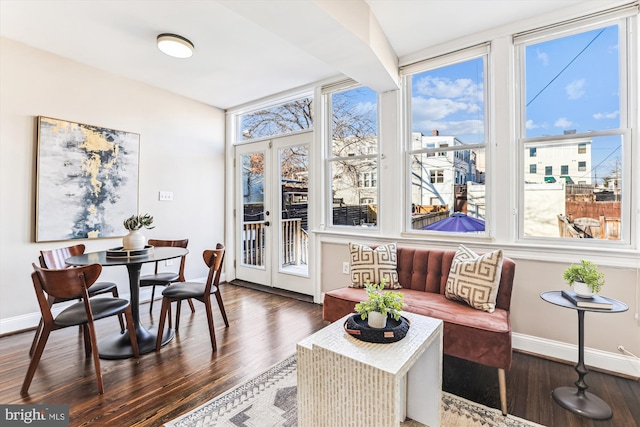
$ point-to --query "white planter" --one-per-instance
(135, 240)
(582, 290)
(376, 320)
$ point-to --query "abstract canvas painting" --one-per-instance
(87, 180)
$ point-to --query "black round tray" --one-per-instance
(394, 331)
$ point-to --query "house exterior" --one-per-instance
(435, 174)
(569, 162)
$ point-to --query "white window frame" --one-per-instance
(626, 18)
(406, 73)
(327, 142)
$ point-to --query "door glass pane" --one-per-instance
(253, 224)
(294, 186)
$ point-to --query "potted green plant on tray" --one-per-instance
(585, 278)
(380, 305)
(135, 240)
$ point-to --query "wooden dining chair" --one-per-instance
(55, 259)
(68, 284)
(165, 278)
(198, 291)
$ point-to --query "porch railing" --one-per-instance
(295, 243)
(253, 243)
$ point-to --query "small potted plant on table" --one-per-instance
(380, 305)
(135, 239)
(585, 278)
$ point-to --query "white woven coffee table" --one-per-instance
(343, 381)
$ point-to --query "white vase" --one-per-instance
(375, 319)
(582, 290)
(135, 240)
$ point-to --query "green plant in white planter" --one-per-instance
(380, 305)
(585, 278)
(135, 240)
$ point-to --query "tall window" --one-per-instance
(353, 156)
(574, 113)
(445, 159)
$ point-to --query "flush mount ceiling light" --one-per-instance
(175, 45)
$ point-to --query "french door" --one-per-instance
(271, 212)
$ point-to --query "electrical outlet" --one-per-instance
(168, 262)
(345, 268)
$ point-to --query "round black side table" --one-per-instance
(577, 399)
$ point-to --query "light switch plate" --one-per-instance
(165, 196)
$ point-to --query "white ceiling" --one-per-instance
(249, 49)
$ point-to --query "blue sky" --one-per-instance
(572, 83)
(451, 100)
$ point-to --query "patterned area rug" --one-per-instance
(269, 400)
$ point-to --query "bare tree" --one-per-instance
(281, 119)
(354, 145)
(354, 133)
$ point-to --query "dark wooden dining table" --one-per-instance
(118, 345)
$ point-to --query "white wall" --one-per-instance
(181, 150)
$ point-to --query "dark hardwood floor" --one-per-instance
(264, 329)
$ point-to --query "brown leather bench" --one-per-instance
(470, 334)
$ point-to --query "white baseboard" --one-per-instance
(606, 360)
(28, 321)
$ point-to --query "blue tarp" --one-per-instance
(458, 222)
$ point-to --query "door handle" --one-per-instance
(266, 223)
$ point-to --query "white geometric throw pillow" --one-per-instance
(373, 265)
(474, 278)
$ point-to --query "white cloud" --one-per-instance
(466, 127)
(611, 115)
(435, 109)
(575, 89)
(542, 57)
(463, 127)
(460, 89)
(563, 123)
(530, 125)
(364, 108)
